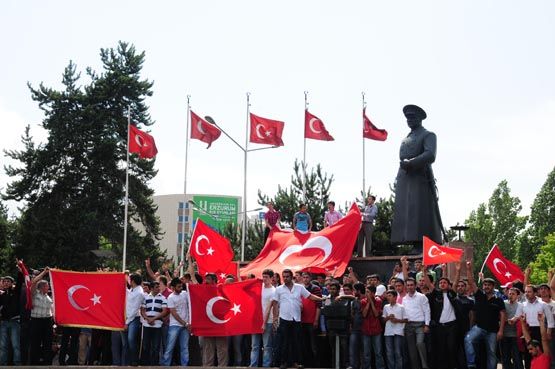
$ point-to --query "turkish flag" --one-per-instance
(266, 131)
(94, 300)
(27, 280)
(370, 131)
(226, 309)
(212, 251)
(436, 254)
(314, 128)
(141, 143)
(328, 250)
(502, 268)
(204, 131)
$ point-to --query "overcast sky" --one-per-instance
(483, 71)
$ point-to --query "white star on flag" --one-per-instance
(95, 299)
(210, 251)
(268, 133)
(236, 308)
(508, 275)
(222, 275)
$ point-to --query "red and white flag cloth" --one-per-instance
(314, 128)
(371, 131)
(203, 130)
(503, 270)
(212, 251)
(27, 280)
(328, 250)
(226, 309)
(94, 300)
(141, 143)
(266, 131)
(437, 254)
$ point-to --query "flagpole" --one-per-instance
(185, 203)
(363, 151)
(126, 201)
(304, 148)
(484, 264)
(244, 228)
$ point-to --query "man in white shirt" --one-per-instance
(286, 304)
(135, 298)
(153, 310)
(178, 330)
(395, 318)
(417, 309)
(267, 335)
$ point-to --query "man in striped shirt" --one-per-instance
(153, 310)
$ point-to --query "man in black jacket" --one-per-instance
(10, 308)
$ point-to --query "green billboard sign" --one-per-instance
(216, 211)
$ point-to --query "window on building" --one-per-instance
(182, 218)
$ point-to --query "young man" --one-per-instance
(267, 335)
(395, 319)
(271, 219)
(135, 298)
(540, 359)
(371, 306)
(301, 220)
(10, 307)
(336, 298)
(369, 213)
(178, 331)
(214, 344)
(490, 319)
(153, 310)
(374, 280)
(511, 356)
(417, 310)
(310, 316)
(287, 303)
(331, 216)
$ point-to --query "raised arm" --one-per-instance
(470, 275)
(405, 267)
(191, 269)
(544, 334)
(457, 275)
(553, 284)
(37, 279)
(352, 275)
(149, 270)
(527, 273)
(426, 278)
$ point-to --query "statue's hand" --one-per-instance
(405, 164)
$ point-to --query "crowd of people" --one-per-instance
(418, 318)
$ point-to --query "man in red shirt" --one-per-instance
(540, 359)
(371, 306)
(271, 219)
(310, 316)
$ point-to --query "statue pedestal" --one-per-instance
(468, 255)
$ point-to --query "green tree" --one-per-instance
(497, 222)
(545, 260)
(74, 184)
(7, 256)
(254, 241)
(287, 200)
(542, 221)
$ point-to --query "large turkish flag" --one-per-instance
(437, 254)
(314, 128)
(203, 131)
(328, 250)
(226, 309)
(266, 131)
(212, 251)
(504, 270)
(95, 300)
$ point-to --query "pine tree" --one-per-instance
(73, 184)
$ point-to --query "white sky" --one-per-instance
(483, 71)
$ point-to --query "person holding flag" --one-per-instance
(41, 321)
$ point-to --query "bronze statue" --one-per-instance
(416, 212)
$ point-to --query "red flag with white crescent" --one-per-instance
(226, 309)
(203, 131)
(141, 143)
(212, 251)
(27, 279)
(328, 250)
(95, 300)
(266, 131)
(437, 254)
(314, 128)
(503, 269)
(371, 131)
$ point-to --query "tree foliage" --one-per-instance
(74, 184)
(254, 241)
(542, 221)
(287, 200)
(545, 260)
(497, 222)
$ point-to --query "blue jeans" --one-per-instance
(369, 344)
(151, 345)
(355, 340)
(471, 340)
(119, 348)
(266, 337)
(9, 329)
(394, 351)
(181, 335)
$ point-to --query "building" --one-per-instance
(177, 211)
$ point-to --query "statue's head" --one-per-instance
(415, 115)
